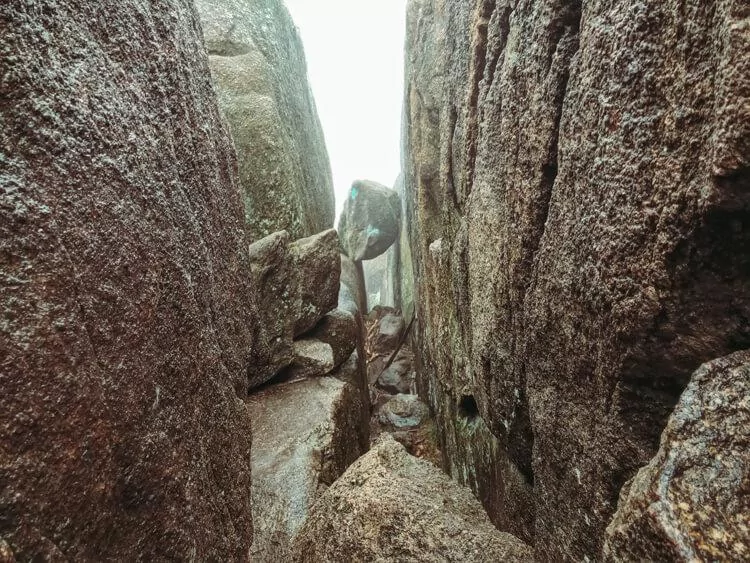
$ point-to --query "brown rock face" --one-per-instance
(390, 506)
(126, 320)
(577, 183)
(692, 501)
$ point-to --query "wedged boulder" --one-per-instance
(128, 313)
(276, 279)
(298, 284)
(403, 411)
(370, 221)
(692, 501)
(318, 267)
(306, 433)
(339, 329)
(389, 331)
(390, 506)
(258, 66)
(311, 358)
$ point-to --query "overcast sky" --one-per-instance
(354, 51)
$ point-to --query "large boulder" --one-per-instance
(127, 309)
(576, 194)
(276, 278)
(258, 65)
(370, 221)
(692, 501)
(390, 506)
(318, 267)
(306, 434)
(298, 284)
(311, 358)
(402, 412)
(398, 377)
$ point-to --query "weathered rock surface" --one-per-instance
(403, 411)
(389, 330)
(306, 434)
(311, 358)
(577, 184)
(354, 372)
(399, 376)
(339, 329)
(298, 283)
(390, 506)
(127, 309)
(692, 501)
(278, 289)
(370, 221)
(259, 69)
(318, 266)
(350, 298)
(376, 279)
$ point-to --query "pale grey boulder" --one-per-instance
(311, 358)
(306, 433)
(392, 507)
(258, 66)
(370, 221)
(403, 412)
(390, 328)
(692, 501)
(399, 377)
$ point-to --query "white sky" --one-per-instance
(354, 51)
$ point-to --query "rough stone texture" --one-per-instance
(340, 329)
(400, 274)
(274, 275)
(692, 501)
(259, 69)
(297, 285)
(306, 434)
(399, 376)
(354, 372)
(126, 316)
(311, 358)
(403, 411)
(577, 186)
(390, 506)
(370, 221)
(318, 267)
(351, 292)
(389, 331)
